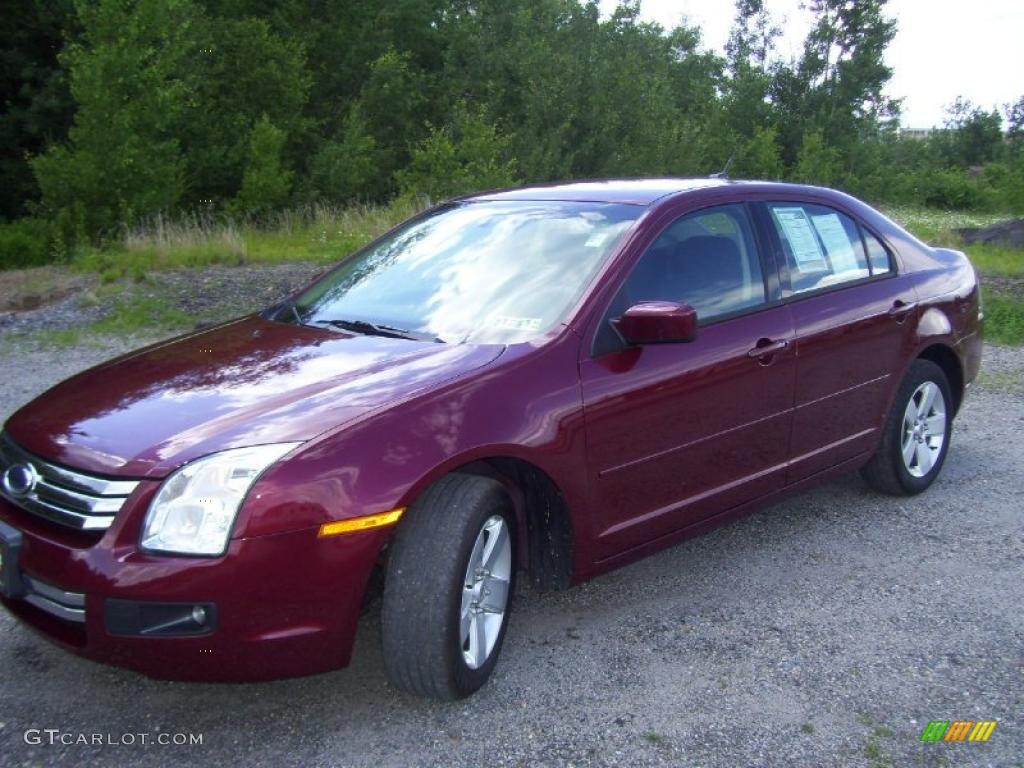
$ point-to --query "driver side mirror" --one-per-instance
(657, 322)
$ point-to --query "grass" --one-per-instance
(1006, 382)
(127, 317)
(1004, 319)
(877, 755)
(940, 228)
(323, 234)
(319, 234)
(1004, 307)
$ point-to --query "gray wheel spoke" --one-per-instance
(936, 425)
(928, 393)
(496, 546)
(478, 645)
(924, 458)
(476, 560)
(909, 449)
(465, 614)
(909, 415)
(495, 595)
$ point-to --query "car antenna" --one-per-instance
(724, 173)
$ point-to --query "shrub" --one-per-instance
(349, 167)
(466, 156)
(949, 190)
(26, 242)
(817, 162)
(759, 158)
(266, 183)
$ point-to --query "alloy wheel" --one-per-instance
(485, 591)
(924, 429)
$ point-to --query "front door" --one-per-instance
(679, 432)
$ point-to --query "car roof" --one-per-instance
(629, 191)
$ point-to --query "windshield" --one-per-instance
(482, 272)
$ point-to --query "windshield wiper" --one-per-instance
(375, 329)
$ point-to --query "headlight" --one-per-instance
(194, 509)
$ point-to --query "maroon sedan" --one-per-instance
(553, 381)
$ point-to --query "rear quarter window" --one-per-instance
(879, 258)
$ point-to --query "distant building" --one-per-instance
(916, 133)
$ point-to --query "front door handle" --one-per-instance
(901, 310)
(766, 348)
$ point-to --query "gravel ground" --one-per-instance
(826, 630)
(214, 293)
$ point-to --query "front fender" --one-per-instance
(527, 406)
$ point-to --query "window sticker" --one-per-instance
(798, 231)
(513, 323)
(837, 243)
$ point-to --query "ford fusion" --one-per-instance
(547, 382)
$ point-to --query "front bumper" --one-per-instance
(285, 604)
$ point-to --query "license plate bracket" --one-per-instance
(10, 573)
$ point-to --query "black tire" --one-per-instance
(420, 616)
(887, 470)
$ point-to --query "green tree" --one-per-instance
(971, 136)
(122, 158)
(266, 183)
(1015, 127)
(837, 87)
(468, 155)
(37, 103)
(752, 39)
(166, 101)
(817, 162)
(348, 167)
(392, 103)
(235, 72)
(759, 157)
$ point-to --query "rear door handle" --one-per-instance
(901, 310)
(767, 348)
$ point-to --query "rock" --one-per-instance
(1008, 233)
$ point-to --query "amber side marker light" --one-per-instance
(364, 523)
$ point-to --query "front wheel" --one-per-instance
(449, 579)
(916, 433)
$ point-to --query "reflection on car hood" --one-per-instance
(244, 383)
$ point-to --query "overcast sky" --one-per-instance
(943, 48)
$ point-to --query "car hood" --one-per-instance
(248, 382)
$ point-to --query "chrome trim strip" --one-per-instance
(56, 609)
(55, 601)
(97, 486)
(77, 501)
(56, 514)
(64, 496)
(56, 594)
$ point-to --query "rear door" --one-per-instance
(679, 432)
(854, 317)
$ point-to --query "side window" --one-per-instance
(878, 254)
(706, 259)
(823, 247)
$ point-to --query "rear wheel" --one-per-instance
(449, 579)
(916, 433)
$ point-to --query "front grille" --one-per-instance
(63, 496)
